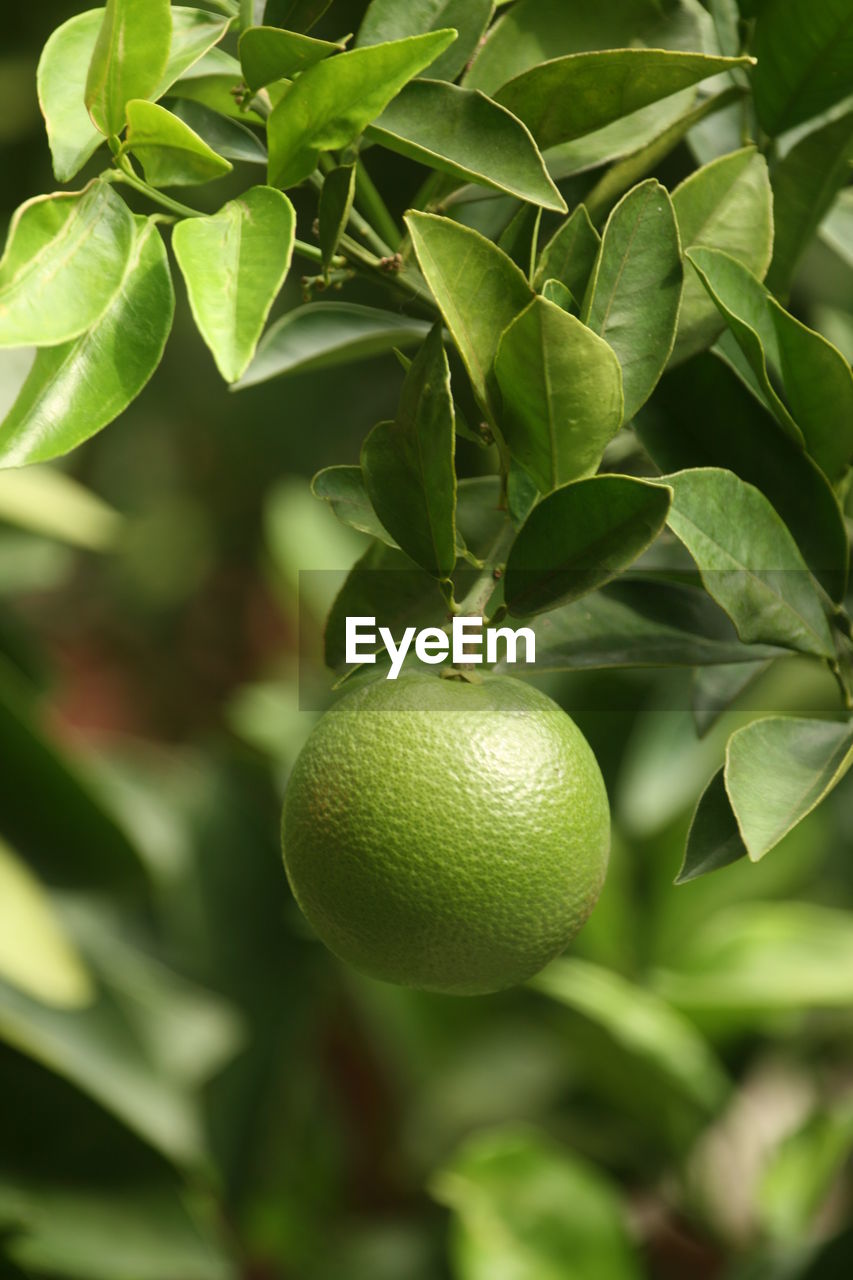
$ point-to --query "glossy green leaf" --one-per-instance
(463, 133)
(555, 291)
(579, 537)
(805, 54)
(268, 54)
(408, 464)
(703, 416)
(778, 770)
(61, 81)
(648, 152)
(534, 29)
(640, 623)
(129, 59)
(36, 955)
(748, 560)
(46, 500)
(336, 199)
(643, 1029)
(228, 138)
(344, 490)
(110, 1230)
(75, 389)
(526, 1207)
(714, 839)
(234, 263)
(386, 585)
(561, 388)
(715, 689)
(65, 257)
(726, 205)
(620, 139)
(295, 15)
(324, 334)
(570, 254)
(390, 20)
(570, 96)
(170, 152)
(65, 62)
(333, 102)
(479, 291)
(816, 379)
(805, 183)
(764, 957)
(634, 293)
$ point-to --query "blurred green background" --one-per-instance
(191, 1088)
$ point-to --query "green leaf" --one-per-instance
(805, 184)
(335, 206)
(129, 59)
(643, 1029)
(228, 138)
(105, 1231)
(408, 464)
(268, 54)
(532, 28)
(555, 291)
(561, 387)
(65, 62)
(703, 416)
(47, 501)
(170, 152)
(815, 377)
(764, 957)
(333, 102)
(634, 294)
(478, 289)
(805, 53)
(215, 82)
(295, 15)
(344, 490)
(195, 32)
(324, 334)
(570, 96)
(619, 140)
(65, 257)
(569, 256)
(748, 560)
(715, 689)
(579, 537)
(75, 389)
(463, 133)
(386, 585)
(36, 956)
(525, 1207)
(650, 151)
(714, 839)
(726, 205)
(61, 81)
(234, 263)
(640, 624)
(389, 20)
(778, 770)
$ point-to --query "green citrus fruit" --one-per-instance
(445, 834)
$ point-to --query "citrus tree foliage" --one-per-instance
(591, 285)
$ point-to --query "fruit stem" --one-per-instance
(481, 592)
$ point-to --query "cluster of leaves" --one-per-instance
(668, 325)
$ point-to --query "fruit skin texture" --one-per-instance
(444, 834)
